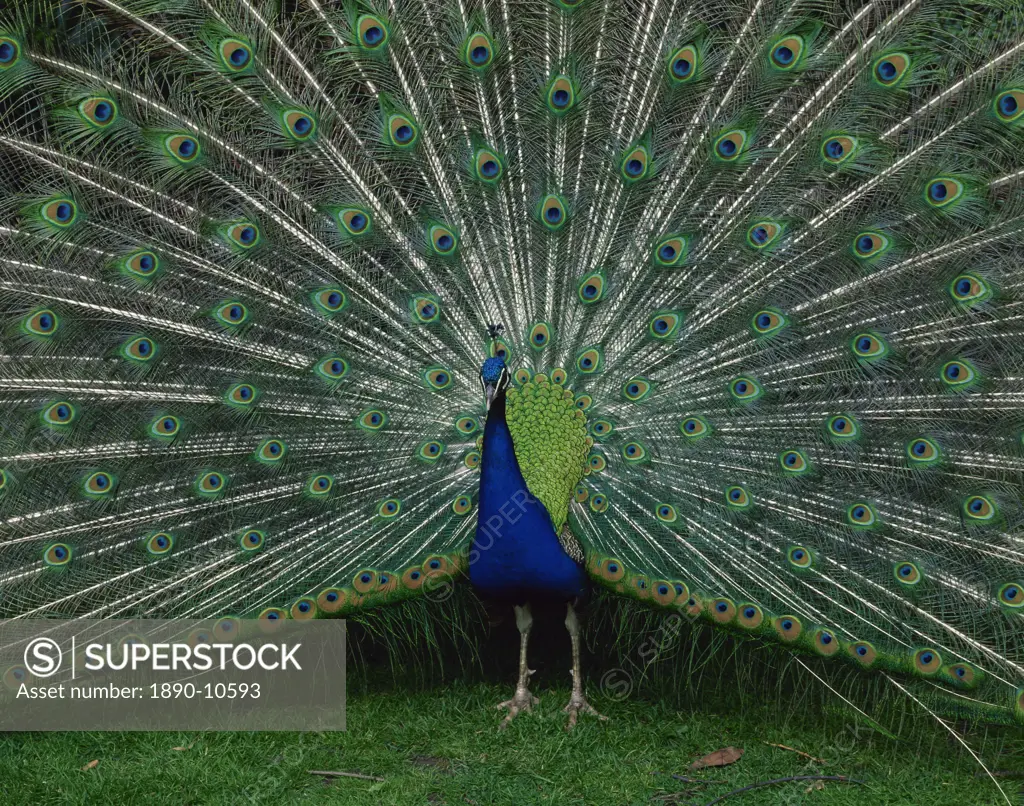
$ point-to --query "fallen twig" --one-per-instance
(687, 780)
(798, 752)
(332, 773)
(839, 778)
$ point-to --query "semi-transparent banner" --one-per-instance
(231, 674)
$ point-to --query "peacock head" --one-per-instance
(494, 378)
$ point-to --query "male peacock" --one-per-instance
(758, 266)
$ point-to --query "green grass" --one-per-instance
(443, 747)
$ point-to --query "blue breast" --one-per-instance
(515, 553)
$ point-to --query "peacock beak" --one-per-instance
(490, 390)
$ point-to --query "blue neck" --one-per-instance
(515, 554)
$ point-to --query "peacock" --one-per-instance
(309, 307)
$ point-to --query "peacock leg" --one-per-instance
(522, 700)
(577, 702)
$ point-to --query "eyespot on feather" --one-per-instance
(437, 378)
(763, 234)
(635, 164)
(487, 165)
(611, 569)
(10, 52)
(927, 661)
(61, 212)
(730, 145)
(861, 515)
(907, 574)
(637, 389)
(962, 675)
(372, 420)
(235, 54)
(589, 361)
(232, 313)
(561, 95)
(143, 265)
(737, 497)
(923, 451)
(355, 221)
(553, 212)
(159, 543)
(868, 245)
(304, 609)
(842, 427)
(478, 51)
(183, 148)
(749, 616)
(722, 610)
(979, 508)
(1009, 105)
(670, 251)
(98, 111)
(442, 240)
(863, 653)
(825, 642)
(868, 347)
(768, 322)
(794, 462)
(838, 149)
(634, 453)
(969, 289)
(431, 451)
(242, 395)
(252, 540)
(943, 191)
(891, 69)
(60, 414)
(99, 484)
(210, 483)
(402, 131)
(330, 300)
(332, 369)
(57, 555)
(788, 628)
(389, 508)
(799, 557)
(372, 32)
(958, 374)
(665, 325)
(694, 427)
(591, 288)
(243, 234)
(745, 389)
(139, 350)
(662, 592)
(666, 513)
(270, 616)
(786, 53)
(271, 451)
(320, 485)
(1011, 595)
(683, 64)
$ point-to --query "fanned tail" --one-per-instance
(250, 255)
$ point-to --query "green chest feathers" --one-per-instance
(549, 430)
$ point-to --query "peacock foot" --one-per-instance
(578, 705)
(522, 701)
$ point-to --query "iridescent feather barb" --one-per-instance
(756, 265)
